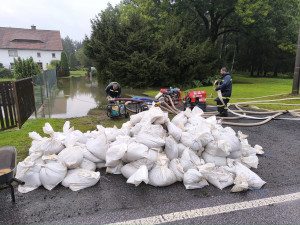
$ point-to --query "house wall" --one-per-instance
(45, 59)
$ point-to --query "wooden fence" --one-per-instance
(17, 102)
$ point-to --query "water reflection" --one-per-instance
(76, 96)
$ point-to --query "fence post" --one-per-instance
(17, 103)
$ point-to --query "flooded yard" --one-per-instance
(76, 96)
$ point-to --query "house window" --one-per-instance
(11, 66)
(13, 53)
(38, 54)
(53, 55)
(40, 65)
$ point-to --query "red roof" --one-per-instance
(18, 38)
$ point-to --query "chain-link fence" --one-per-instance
(45, 85)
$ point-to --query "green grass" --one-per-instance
(21, 141)
(7, 79)
(249, 87)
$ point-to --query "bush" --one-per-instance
(25, 68)
(5, 73)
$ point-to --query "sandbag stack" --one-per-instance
(149, 148)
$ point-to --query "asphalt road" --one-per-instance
(113, 201)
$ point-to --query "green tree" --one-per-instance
(64, 67)
(72, 61)
(83, 60)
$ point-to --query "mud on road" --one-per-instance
(280, 167)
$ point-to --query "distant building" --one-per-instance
(42, 45)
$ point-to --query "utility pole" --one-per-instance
(296, 80)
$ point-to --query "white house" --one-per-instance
(42, 45)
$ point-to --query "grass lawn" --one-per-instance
(7, 79)
(21, 141)
(249, 87)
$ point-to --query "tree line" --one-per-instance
(142, 43)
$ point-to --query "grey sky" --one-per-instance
(70, 17)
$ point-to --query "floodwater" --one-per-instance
(76, 96)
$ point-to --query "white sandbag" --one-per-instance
(189, 160)
(116, 169)
(29, 172)
(127, 125)
(240, 183)
(150, 140)
(136, 118)
(66, 128)
(136, 129)
(71, 157)
(141, 175)
(112, 133)
(191, 141)
(88, 165)
(217, 176)
(78, 179)
(100, 165)
(154, 129)
(235, 155)
(135, 151)
(80, 136)
(161, 175)
(218, 148)
(98, 146)
(217, 160)
(70, 140)
(254, 181)
(174, 131)
(177, 168)
(50, 158)
(34, 156)
(251, 161)
(229, 136)
(114, 154)
(154, 116)
(128, 169)
(52, 174)
(193, 179)
(51, 146)
(88, 155)
(179, 120)
(181, 147)
(171, 148)
(197, 112)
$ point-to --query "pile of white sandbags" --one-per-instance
(149, 148)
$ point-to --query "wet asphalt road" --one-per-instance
(112, 200)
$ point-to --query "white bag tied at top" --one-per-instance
(52, 174)
(71, 157)
(193, 179)
(78, 179)
(29, 172)
(98, 146)
(161, 175)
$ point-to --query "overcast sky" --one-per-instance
(70, 17)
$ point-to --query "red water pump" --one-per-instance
(174, 93)
(195, 98)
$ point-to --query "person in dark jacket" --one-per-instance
(113, 90)
(225, 85)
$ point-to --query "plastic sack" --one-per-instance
(177, 168)
(98, 146)
(240, 183)
(189, 160)
(150, 140)
(72, 157)
(161, 175)
(171, 148)
(217, 176)
(88, 165)
(52, 174)
(29, 172)
(189, 140)
(217, 160)
(141, 175)
(193, 179)
(219, 148)
(114, 154)
(174, 131)
(135, 151)
(116, 169)
(78, 179)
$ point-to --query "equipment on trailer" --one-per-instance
(174, 93)
(195, 98)
(116, 109)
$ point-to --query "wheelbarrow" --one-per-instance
(8, 163)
